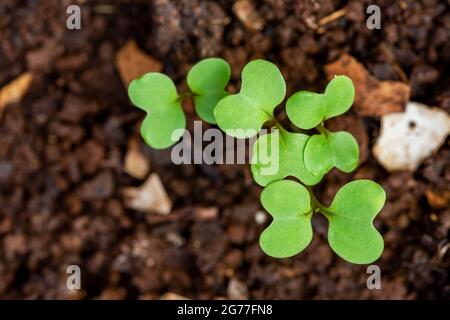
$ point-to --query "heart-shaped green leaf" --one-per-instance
(278, 155)
(208, 79)
(156, 94)
(308, 109)
(290, 231)
(243, 114)
(351, 233)
(338, 149)
(340, 94)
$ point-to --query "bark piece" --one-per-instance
(132, 62)
(372, 97)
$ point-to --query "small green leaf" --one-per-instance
(351, 233)
(345, 150)
(340, 94)
(278, 155)
(318, 155)
(335, 149)
(156, 94)
(208, 79)
(308, 109)
(290, 231)
(262, 89)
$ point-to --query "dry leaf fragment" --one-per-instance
(407, 138)
(15, 90)
(438, 199)
(136, 164)
(133, 62)
(149, 197)
(373, 97)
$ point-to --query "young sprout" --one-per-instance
(308, 110)
(156, 94)
(299, 156)
(207, 80)
(243, 114)
(351, 233)
(288, 153)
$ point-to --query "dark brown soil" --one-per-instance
(62, 149)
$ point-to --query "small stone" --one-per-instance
(206, 213)
(136, 164)
(409, 137)
(149, 197)
(237, 290)
(260, 217)
(172, 296)
(248, 15)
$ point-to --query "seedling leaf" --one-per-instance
(338, 149)
(278, 155)
(208, 79)
(340, 94)
(290, 231)
(262, 89)
(156, 94)
(351, 233)
(308, 109)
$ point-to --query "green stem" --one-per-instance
(183, 95)
(317, 205)
(322, 129)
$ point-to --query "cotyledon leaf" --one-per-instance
(156, 94)
(208, 79)
(351, 232)
(323, 151)
(278, 155)
(243, 114)
(308, 109)
(290, 232)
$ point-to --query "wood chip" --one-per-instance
(133, 62)
(136, 164)
(438, 199)
(149, 197)
(15, 90)
(373, 97)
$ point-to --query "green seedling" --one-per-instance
(207, 81)
(351, 233)
(156, 94)
(302, 158)
(288, 153)
(243, 114)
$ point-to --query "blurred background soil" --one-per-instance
(63, 149)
